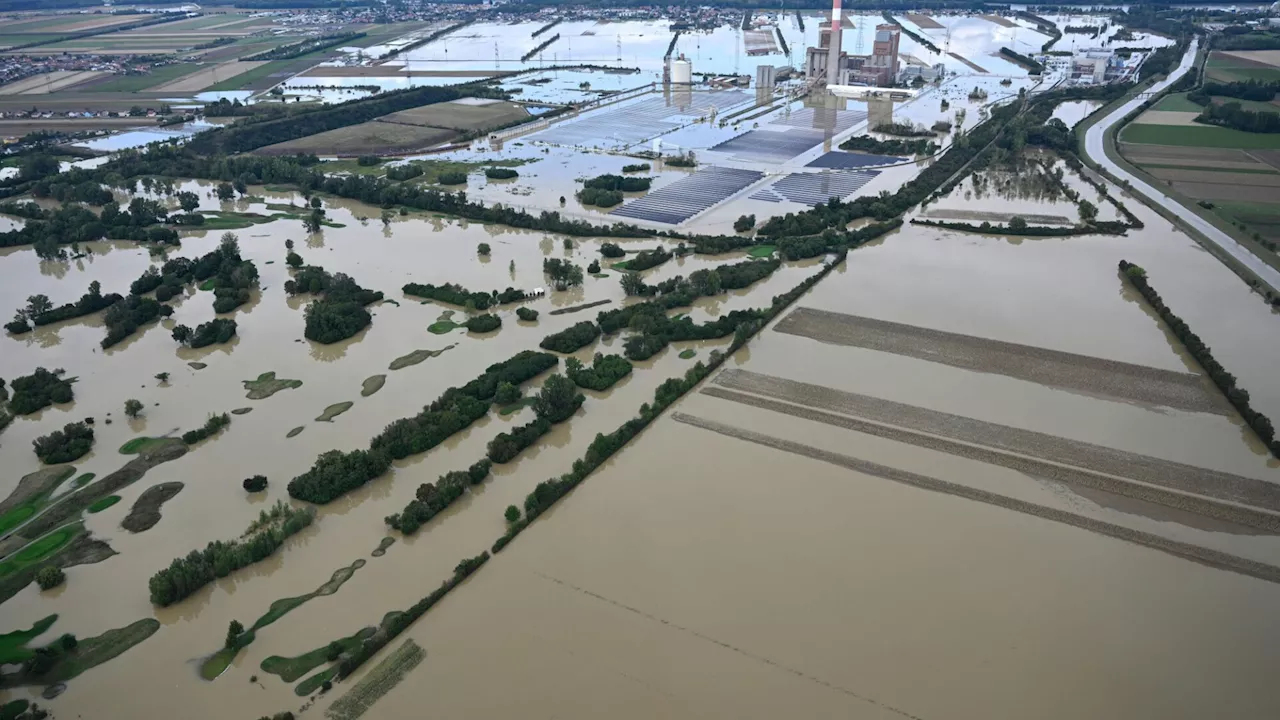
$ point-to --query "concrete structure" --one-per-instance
(765, 76)
(909, 73)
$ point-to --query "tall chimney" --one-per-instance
(833, 52)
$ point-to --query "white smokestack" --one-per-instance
(833, 52)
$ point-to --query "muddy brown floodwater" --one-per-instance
(696, 574)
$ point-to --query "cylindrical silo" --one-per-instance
(681, 72)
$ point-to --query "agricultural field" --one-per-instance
(370, 138)
(1239, 66)
(207, 77)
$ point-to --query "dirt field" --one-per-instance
(981, 215)
(1267, 57)
(924, 22)
(1140, 158)
(1195, 553)
(466, 114)
(1151, 470)
(1001, 21)
(1214, 191)
(49, 82)
(1211, 177)
(1066, 371)
(371, 138)
(22, 126)
(207, 77)
(1166, 117)
(970, 63)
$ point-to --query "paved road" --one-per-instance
(1094, 148)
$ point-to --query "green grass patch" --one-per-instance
(41, 549)
(520, 404)
(245, 79)
(334, 411)
(761, 251)
(138, 83)
(12, 709)
(217, 663)
(43, 483)
(228, 220)
(16, 516)
(443, 326)
(83, 480)
(296, 431)
(94, 651)
(1177, 102)
(373, 384)
(1247, 171)
(13, 645)
(620, 265)
(293, 668)
(104, 503)
(142, 444)
(686, 354)
(315, 682)
(267, 385)
(1198, 136)
(209, 285)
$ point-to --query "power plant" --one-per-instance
(830, 63)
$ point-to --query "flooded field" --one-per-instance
(955, 446)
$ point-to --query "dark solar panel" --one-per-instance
(770, 145)
(685, 198)
(815, 188)
(849, 161)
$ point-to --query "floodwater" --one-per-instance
(725, 579)
(722, 578)
(419, 248)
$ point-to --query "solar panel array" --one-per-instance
(822, 119)
(632, 123)
(770, 146)
(848, 161)
(685, 198)
(815, 188)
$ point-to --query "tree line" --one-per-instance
(40, 311)
(1236, 395)
(455, 294)
(336, 473)
(893, 146)
(1232, 115)
(186, 575)
(430, 499)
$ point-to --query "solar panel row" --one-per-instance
(685, 198)
(815, 188)
(848, 161)
(822, 119)
(770, 146)
(635, 122)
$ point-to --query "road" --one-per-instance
(1094, 148)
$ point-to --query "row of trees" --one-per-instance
(571, 338)
(621, 183)
(304, 47)
(893, 146)
(1232, 115)
(336, 473)
(602, 374)
(218, 559)
(646, 259)
(40, 310)
(125, 317)
(1238, 396)
(432, 498)
(556, 402)
(218, 330)
(1255, 90)
(454, 294)
(212, 425)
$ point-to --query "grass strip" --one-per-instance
(378, 682)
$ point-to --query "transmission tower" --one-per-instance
(946, 42)
(619, 47)
(857, 37)
(495, 56)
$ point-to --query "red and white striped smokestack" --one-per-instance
(833, 51)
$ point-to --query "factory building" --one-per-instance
(879, 69)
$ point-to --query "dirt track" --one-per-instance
(1052, 368)
(1004, 438)
(1195, 553)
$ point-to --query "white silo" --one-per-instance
(681, 72)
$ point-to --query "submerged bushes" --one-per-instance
(605, 370)
(211, 426)
(571, 338)
(39, 390)
(65, 445)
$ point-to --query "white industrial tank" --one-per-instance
(681, 72)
